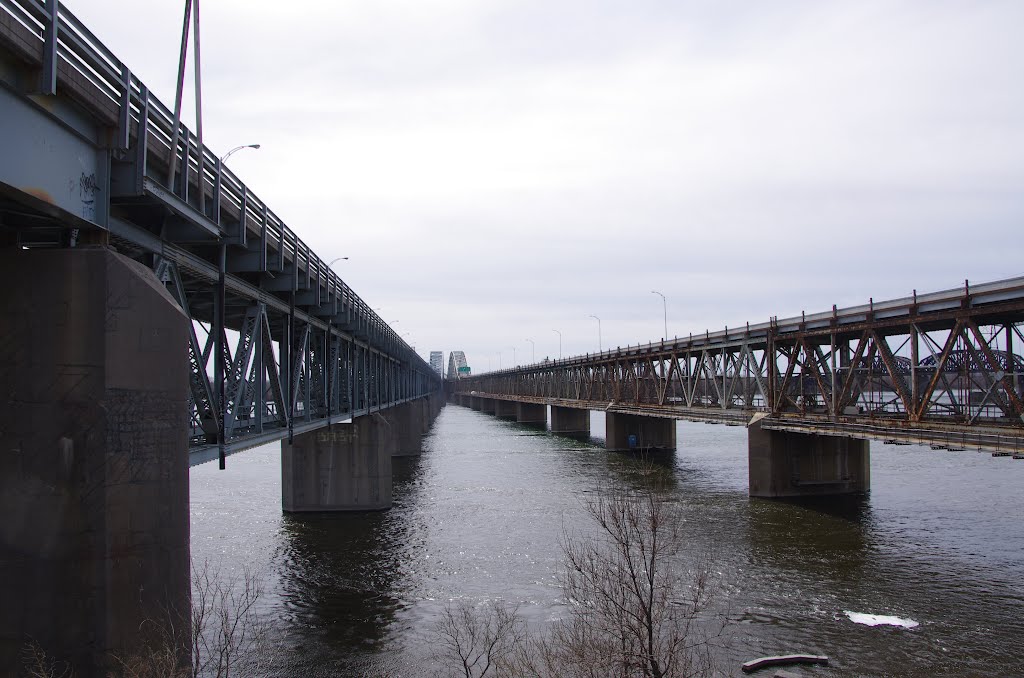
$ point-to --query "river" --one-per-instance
(480, 515)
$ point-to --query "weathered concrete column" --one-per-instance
(634, 432)
(94, 535)
(476, 403)
(506, 409)
(569, 420)
(406, 422)
(531, 413)
(427, 414)
(344, 467)
(488, 405)
(785, 464)
(435, 403)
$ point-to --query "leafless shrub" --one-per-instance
(38, 664)
(477, 642)
(638, 605)
(227, 635)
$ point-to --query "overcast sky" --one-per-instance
(499, 170)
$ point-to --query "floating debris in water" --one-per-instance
(879, 620)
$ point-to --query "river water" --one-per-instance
(480, 514)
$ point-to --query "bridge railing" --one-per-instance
(114, 94)
(948, 362)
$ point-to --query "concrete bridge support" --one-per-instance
(476, 403)
(569, 420)
(344, 467)
(94, 535)
(505, 409)
(435, 403)
(407, 424)
(488, 405)
(634, 432)
(784, 464)
(532, 413)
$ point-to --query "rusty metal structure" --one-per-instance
(942, 368)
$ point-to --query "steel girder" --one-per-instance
(940, 368)
(279, 342)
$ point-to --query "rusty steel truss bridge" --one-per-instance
(280, 344)
(943, 369)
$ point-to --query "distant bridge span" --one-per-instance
(942, 369)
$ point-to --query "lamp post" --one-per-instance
(559, 343)
(331, 263)
(599, 349)
(664, 307)
(499, 360)
(533, 351)
(514, 361)
(234, 150)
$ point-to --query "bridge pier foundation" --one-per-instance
(476, 403)
(344, 467)
(634, 432)
(785, 464)
(94, 535)
(505, 409)
(532, 413)
(406, 422)
(488, 405)
(569, 420)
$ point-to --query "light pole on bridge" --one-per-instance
(559, 343)
(533, 350)
(236, 149)
(599, 345)
(331, 263)
(664, 308)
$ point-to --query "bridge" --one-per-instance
(941, 369)
(156, 314)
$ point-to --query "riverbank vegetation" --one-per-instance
(637, 604)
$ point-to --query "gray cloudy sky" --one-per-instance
(497, 170)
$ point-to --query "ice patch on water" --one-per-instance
(879, 620)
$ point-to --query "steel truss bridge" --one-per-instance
(943, 369)
(279, 344)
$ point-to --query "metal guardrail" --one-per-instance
(62, 37)
(310, 352)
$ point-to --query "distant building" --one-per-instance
(437, 361)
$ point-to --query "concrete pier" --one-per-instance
(407, 424)
(532, 413)
(344, 467)
(488, 405)
(94, 535)
(569, 420)
(634, 432)
(476, 403)
(784, 464)
(505, 409)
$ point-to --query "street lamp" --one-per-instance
(664, 307)
(533, 351)
(331, 263)
(514, 361)
(599, 348)
(559, 343)
(234, 150)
